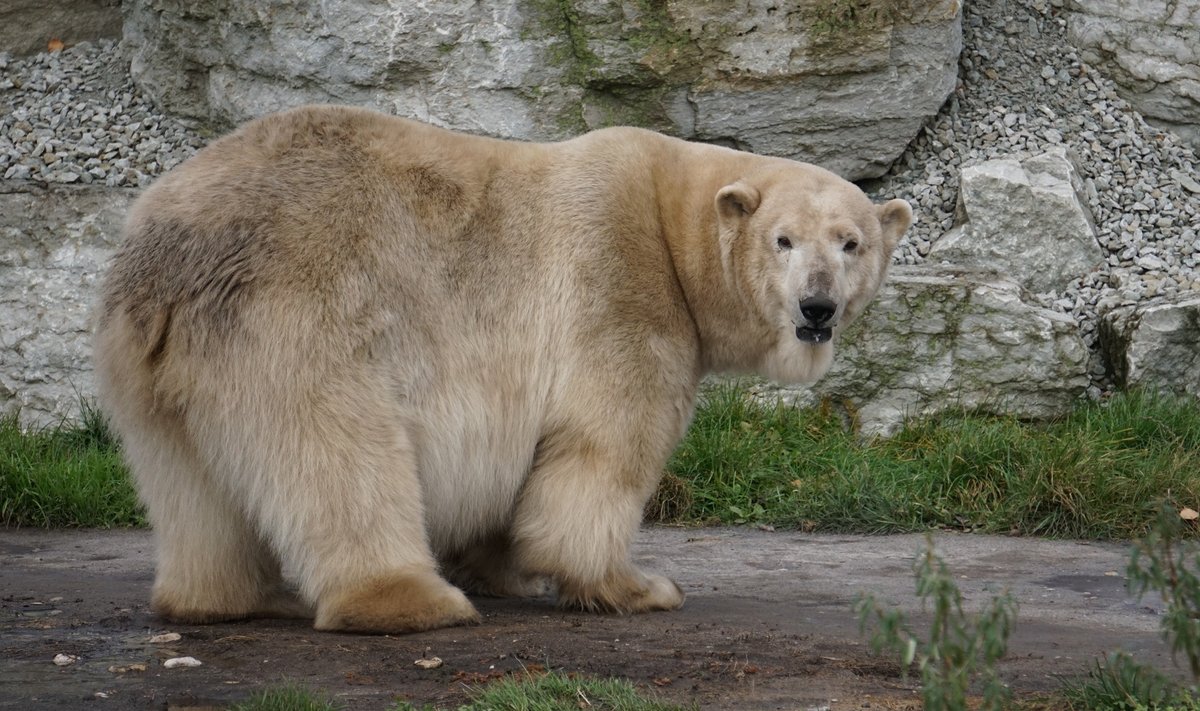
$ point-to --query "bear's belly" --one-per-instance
(475, 454)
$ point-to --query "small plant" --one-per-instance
(1166, 561)
(959, 648)
(1119, 683)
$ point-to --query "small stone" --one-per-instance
(177, 662)
(1188, 182)
(1151, 263)
(65, 660)
(165, 637)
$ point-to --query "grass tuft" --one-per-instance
(286, 698)
(66, 475)
(557, 691)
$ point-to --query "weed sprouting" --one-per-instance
(959, 648)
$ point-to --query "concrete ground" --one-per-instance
(768, 625)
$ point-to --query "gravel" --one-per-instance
(75, 117)
(1023, 88)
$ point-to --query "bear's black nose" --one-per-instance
(818, 310)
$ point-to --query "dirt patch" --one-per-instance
(767, 625)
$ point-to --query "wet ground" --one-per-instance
(768, 625)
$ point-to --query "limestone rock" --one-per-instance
(53, 245)
(1024, 218)
(1151, 50)
(1155, 345)
(27, 26)
(797, 80)
(937, 340)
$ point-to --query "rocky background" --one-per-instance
(1048, 147)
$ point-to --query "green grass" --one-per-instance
(286, 698)
(557, 692)
(546, 692)
(1099, 473)
(69, 475)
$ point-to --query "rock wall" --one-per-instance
(53, 246)
(27, 26)
(793, 79)
(939, 339)
(1151, 49)
(750, 74)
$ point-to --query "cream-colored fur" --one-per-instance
(363, 350)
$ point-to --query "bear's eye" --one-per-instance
(783, 243)
(850, 246)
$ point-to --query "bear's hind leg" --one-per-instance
(211, 566)
(575, 522)
(330, 476)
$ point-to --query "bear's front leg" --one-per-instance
(581, 508)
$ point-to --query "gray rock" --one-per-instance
(805, 83)
(1155, 346)
(53, 244)
(27, 26)
(1024, 218)
(1151, 50)
(937, 341)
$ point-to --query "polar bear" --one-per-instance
(380, 356)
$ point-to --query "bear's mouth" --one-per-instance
(814, 335)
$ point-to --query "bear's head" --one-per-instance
(806, 251)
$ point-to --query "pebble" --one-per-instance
(177, 662)
(65, 660)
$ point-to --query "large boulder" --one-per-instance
(53, 245)
(1151, 49)
(939, 340)
(1156, 345)
(1025, 218)
(845, 87)
(27, 26)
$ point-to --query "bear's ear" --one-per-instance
(895, 217)
(737, 201)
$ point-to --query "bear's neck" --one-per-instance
(687, 180)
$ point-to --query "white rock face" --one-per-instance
(938, 340)
(1151, 49)
(53, 245)
(1024, 218)
(790, 80)
(1155, 346)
